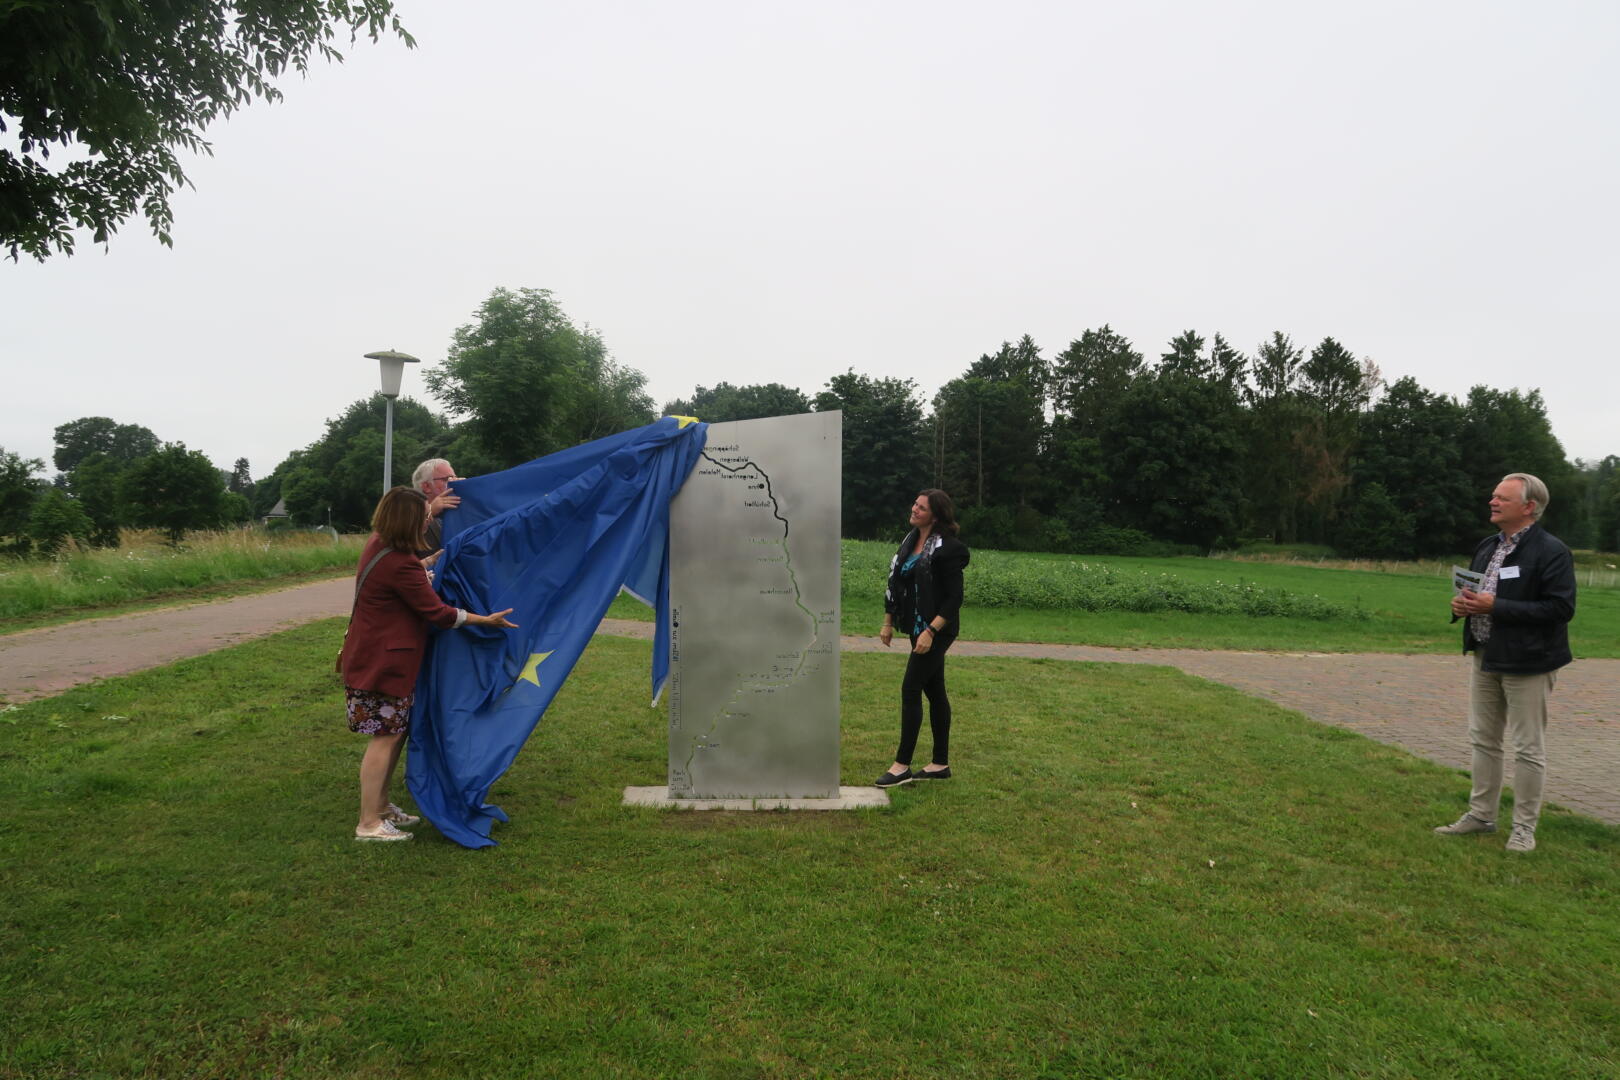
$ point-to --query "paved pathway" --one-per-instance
(1410, 701)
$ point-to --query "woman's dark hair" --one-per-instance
(944, 511)
(400, 517)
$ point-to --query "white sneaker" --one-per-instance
(1464, 825)
(1523, 839)
(399, 818)
(384, 831)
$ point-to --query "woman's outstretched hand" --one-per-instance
(498, 618)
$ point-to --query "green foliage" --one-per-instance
(120, 443)
(726, 402)
(530, 382)
(174, 489)
(1172, 451)
(1376, 527)
(19, 487)
(55, 522)
(96, 483)
(82, 583)
(127, 88)
(988, 428)
(341, 472)
(1412, 447)
(885, 449)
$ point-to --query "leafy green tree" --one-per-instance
(127, 87)
(78, 439)
(1375, 527)
(56, 521)
(96, 484)
(1507, 431)
(173, 489)
(1333, 389)
(726, 402)
(1277, 416)
(989, 427)
(529, 382)
(1089, 377)
(19, 488)
(1185, 356)
(340, 474)
(1412, 446)
(886, 459)
(234, 509)
(241, 479)
(1174, 451)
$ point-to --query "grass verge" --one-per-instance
(145, 573)
(183, 897)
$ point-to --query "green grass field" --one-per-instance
(1135, 874)
(144, 573)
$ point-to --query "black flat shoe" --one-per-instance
(938, 774)
(890, 779)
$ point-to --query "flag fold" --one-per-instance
(554, 540)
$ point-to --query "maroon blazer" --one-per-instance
(388, 633)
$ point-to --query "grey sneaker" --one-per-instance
(384, 831)
(1523, 839)
(1466, 824)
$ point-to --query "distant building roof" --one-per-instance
(278, 511)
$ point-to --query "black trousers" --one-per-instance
(925, 675)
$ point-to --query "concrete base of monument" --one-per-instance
(849, 798)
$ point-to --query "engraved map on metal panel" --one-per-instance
(754, 564)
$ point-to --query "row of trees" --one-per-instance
(1099, 450)
(109, 476)
(1095, 449)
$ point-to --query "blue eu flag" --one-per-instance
(554, 540)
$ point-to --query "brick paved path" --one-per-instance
(1415, 702)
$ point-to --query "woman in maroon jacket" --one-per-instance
(382, 650)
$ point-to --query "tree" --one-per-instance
(1412, 446)
(55, 521)
(174, 489)
(340, 474)
(1174, 451)
(726, 402)
(78, 439)
(241, 479)
(1508, 431)
(885, 450)
(96, 484)
(1089, 380)
(125, 86)
(530, 382)
(19, 488)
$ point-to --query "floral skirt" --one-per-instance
(371, 713)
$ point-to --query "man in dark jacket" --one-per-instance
(1516, 624)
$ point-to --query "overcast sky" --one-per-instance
(763, 192)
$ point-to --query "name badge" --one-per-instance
(1508, 572)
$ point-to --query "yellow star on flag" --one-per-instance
(530, 671)
(684, 420)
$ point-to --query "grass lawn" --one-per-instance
(1135, 874)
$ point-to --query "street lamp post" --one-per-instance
(393, 370)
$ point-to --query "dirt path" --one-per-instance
(1411, 701)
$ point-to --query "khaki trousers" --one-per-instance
(1517, 703)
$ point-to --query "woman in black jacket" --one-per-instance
(924, 599)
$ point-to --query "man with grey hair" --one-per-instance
(433, 478)
(1516, 624)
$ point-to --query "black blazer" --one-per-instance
(1530, 621)
(938, 584)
